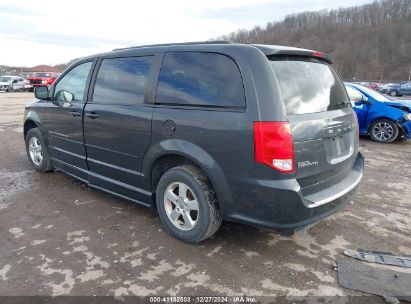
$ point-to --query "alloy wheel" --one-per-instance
(35, 151)
(383, 131)
(181, 206)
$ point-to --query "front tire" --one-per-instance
(37, 151)
(384, 131)
(187, 204)
(394, 93)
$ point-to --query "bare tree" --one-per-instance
(366, 41)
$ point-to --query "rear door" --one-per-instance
(117, 123)
(322, 121)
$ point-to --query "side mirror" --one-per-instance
(41, 93)
(64, 96)
(366, 100)
(355, 95)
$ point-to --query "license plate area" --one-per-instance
(339, 148)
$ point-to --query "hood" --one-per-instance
(4, 83)
(401, 104)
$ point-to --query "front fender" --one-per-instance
(32, 116)
(194, 153)
(383, 111)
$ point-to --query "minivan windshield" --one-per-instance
(308, 85)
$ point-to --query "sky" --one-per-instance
(55, 31)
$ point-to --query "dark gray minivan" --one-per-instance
(204, 132)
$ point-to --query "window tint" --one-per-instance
(72, 86)
(200, 79)
(308, 85)
(122, 80)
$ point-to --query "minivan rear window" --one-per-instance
(308, 85)
(200, 79)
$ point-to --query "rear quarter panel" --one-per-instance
(221, 141)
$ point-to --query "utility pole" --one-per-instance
(409, 75)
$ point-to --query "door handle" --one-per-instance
(75, 113)
(92, 115)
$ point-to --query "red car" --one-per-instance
(41, 79)
(371, 85)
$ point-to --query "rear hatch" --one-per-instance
(324, 127)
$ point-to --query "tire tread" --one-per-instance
(215, 218)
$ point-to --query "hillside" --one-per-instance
(371, 41)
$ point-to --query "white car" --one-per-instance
(13, 83)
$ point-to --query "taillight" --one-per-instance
(318, 54)
(323, 56)
(274, 146)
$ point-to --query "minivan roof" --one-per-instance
(266, 49)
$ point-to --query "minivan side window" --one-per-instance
(122, 80)
(73, 85)
(200, 79)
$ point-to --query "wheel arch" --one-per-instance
(174, 152)
(32, 120)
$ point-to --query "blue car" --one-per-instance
(383, 119)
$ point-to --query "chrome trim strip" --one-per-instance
(334, 196)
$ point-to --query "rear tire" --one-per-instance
(37, 151)
(187, 204)
(384, 131)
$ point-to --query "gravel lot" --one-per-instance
(59, 237)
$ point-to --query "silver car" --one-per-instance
(13, 83)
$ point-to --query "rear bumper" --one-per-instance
(280, 204)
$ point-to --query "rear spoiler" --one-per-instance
(317, 55)
(271, 50)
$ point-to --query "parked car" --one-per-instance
(41, 79)
(204, 132)
(12, 83)
(396, 89)
(383, 119)
(385, 88)
(371, 85)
